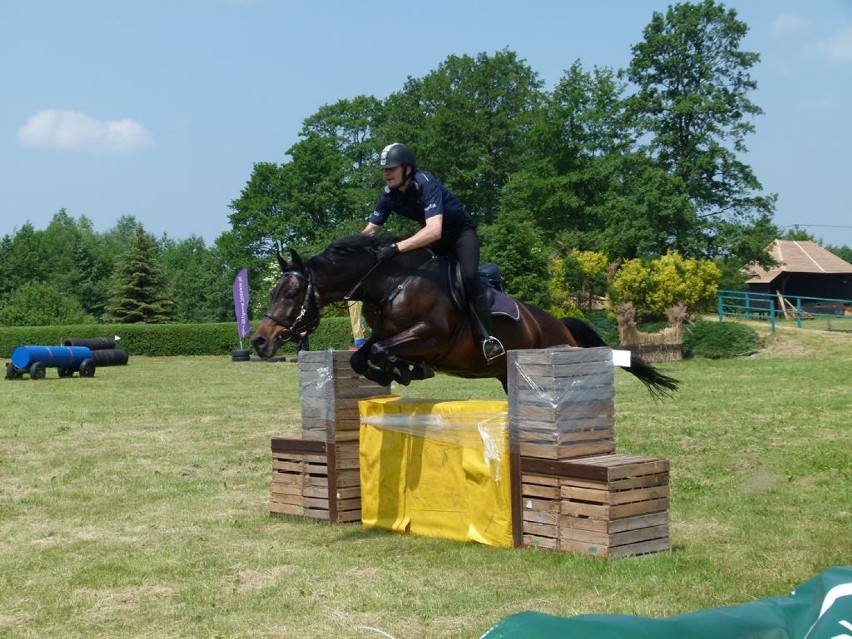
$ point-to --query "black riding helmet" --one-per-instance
(397, 154)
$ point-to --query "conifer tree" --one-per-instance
(140, 293)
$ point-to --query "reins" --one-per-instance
(358, 284)
(396, 290)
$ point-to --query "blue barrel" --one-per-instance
(60, 356)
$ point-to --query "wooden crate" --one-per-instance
(540, 505)
(606, 506)
(329, 391)
(316, 480)
(562, 402)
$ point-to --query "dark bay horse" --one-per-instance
(416, 326)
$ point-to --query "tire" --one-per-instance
(37, 370)
(87, 368)
(11, 373)
(64, 372)
(241, 355)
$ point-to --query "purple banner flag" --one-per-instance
(241, 299)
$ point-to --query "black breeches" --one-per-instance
(466, 250)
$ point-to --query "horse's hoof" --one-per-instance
(401, 374)
(358, 362)
(419, 371)
(375, 374)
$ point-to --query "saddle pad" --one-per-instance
(505, 305)
(501, 304)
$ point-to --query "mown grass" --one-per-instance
(135, 504)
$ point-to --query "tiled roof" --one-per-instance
(798, 257)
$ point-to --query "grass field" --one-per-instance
(135, 504)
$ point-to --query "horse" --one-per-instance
(417, 324)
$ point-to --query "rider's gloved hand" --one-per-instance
(387, 252)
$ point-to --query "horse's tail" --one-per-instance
(658, 385)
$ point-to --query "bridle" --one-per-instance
(302, 324)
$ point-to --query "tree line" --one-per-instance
(70, 274)
(628, 164)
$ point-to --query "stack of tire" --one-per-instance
(104, 352)
(241, 355)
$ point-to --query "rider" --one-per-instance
(445, 227)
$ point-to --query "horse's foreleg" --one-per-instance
(360, 359)
(362, 365)
(413, 345)
(384, 370)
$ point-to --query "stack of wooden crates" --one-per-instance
(318, 475)
(576, 493)
(571, 490)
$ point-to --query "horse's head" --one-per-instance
(294, 308)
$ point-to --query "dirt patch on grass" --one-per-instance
(781, 346)
(255, 580)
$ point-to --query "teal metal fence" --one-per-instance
(772, 307)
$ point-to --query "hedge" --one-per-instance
(167, 339)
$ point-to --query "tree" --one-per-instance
(199, 281)
(467, 121)
(351, 125)
(692, 106)
(41, 304)
(140, 293)
(95, 265)
(583, 183)
(843, 252)
(578, 279)
(23, 258)
(302, 204)
(515, 244)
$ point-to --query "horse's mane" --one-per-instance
(355, 246)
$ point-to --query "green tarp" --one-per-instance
(820, 608)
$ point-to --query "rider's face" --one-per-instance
(393, 177)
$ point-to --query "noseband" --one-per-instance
(302, 324)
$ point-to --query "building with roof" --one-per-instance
(804, 269)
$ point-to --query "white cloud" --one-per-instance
(76, 131)
(787, 23)
(837, 48)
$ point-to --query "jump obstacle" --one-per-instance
(82, 356)
(568, 488)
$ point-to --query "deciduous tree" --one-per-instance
(692, 106)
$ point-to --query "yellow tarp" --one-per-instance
(439, 469)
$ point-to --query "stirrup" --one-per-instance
(492, 348)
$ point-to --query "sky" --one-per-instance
(159, 109)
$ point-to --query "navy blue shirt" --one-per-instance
(425, 197)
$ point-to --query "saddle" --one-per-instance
(492, 283)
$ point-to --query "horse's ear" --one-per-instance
(298, 264)
(282, 262)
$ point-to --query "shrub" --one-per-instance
(665, 282)
(167, 339)
(719, 340)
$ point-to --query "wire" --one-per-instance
(822, 226)
(381, 632)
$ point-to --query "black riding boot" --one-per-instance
(491, 346)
